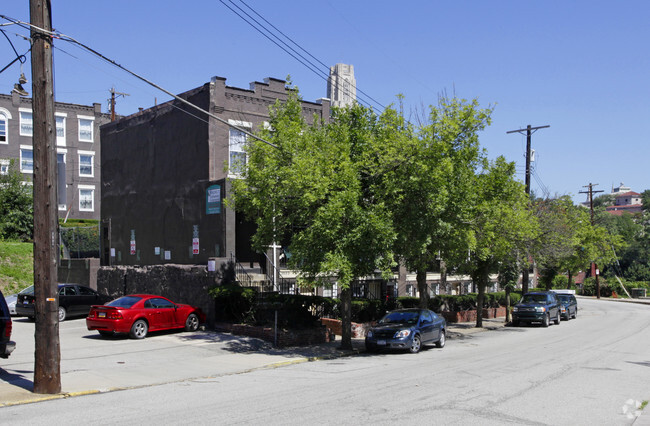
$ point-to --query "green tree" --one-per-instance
(315, 191)
(427, 189)
(16, 206)
(500, 222)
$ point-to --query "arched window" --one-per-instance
(5, 116)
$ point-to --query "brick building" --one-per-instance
(77, 147)
(163, 177)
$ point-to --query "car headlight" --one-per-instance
(401, 334)
(540, 309)
(515, 309)
(563, 308)
(369, 333)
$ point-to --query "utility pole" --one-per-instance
(113, 93)
(594, 266)
(529, 133)
(47, 353)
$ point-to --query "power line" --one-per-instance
(285, 47)
(69, 39)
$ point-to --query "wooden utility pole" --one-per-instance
(594, 266)
(113, 93)
(47, 353)
(529, 133)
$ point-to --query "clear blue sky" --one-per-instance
(582, 67)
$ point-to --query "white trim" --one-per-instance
(240, 123)
(61, 114)
(86, 186)
(20, 122)
(86, 152)
(6, 112)
(86, 117)
(25, 110)
(61, 150)
(92, 128)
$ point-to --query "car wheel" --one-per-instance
(575, 314)
(547, 320)
(557, 318)
(415, 345)
(105, 333)
(139, 329)
(515, 323)
(192, 322)
(441, 342)
(62, 314)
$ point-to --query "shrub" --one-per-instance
(234, 303)
(81, 242)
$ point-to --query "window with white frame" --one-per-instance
(4, 128)
(4, 167)
(26, 159)
(60, 158)
(86, 160)
(86, 198)
(86, 133)
(26, 123)
(60, 129)
(237, 147)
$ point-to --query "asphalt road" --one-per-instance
(588, 371)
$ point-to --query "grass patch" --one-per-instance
(16, 266)
(643, 405)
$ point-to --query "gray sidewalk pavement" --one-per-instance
(259, 355)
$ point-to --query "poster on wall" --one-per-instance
(213, 199)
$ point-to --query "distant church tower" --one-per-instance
(341, 85)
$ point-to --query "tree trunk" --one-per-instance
(346, 317)
(568, 283)
(443, 276)
(421, 277)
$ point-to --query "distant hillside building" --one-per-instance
(77, 148)
(341, 85)
(625, 200)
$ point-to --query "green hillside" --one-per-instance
(16, 266)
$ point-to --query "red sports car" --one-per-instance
(137, 314)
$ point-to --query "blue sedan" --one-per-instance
(407, 329)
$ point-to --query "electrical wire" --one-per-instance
(288, 49)
(69, 39)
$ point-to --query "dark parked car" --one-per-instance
(138, 314)
(74, 300)
(569, 308)
(542, 306)
(6, 345)
(407, 329)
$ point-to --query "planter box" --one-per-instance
(470, 315)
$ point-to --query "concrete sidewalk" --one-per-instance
(15, 389)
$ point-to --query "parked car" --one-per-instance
(74, 300)
(11, 303)
(542, 306)
(407, 329)
(569, 306)
(6, 326)
(138, 314)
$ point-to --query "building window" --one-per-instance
(60, 159)
(26, 159)
(86, 163)
(237, 147)
(60, 129)
(26, 123)
(86, 198)
(86, 129)
(4, 167)
(3, 128)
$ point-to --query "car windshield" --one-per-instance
(534, 298)
(401, 317)
(124, 302)
(564, 297)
